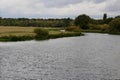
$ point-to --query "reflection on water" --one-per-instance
(91, 57)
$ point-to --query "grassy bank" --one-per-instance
(99, 31)
(93, 31)
(115, 33)
(72, 34)
(27, 33)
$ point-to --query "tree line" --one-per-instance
(35, 22)
(65, 22)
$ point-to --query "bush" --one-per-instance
(115, 25)
(41, 34)
(74, 29)
(104, 27)
(93, 27)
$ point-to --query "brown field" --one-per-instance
(18, 31)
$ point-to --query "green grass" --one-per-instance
(99, 31)
(72, 34)
(93, 31)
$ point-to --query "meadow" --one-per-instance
(24, 31)
(15, 33)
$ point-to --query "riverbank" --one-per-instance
(93, 31)
(99, 31)
(51, 36)
(27, 33)
(115, 33)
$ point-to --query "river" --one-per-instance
(91, 57)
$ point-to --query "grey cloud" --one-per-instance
(59, 3)
(99, 1)
(62, 3)
(58, 8)
(113, 7)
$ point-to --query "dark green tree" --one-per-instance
(104, 18)
(117, 16)
(115, 25)
(82, 21)
(108, 20)
(67, 22)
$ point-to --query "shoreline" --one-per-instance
(99, 31)
(27, 38)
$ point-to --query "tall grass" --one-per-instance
(16, 38)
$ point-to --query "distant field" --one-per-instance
(20, 31)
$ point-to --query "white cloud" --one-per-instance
(62, 3)
(55, 8)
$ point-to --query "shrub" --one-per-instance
(73, 28)
(94, 27)
(41, 34)
(104, 27)
(115, 25)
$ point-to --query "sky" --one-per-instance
(58, 8)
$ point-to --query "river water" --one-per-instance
(91, 57)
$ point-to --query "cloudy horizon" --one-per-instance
(58, 8)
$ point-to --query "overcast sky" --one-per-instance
(58, 8)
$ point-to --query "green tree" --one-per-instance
(117, 16)
(105, 18)
(108, 20)
(67, 22)
(115, 25)
(82, 21)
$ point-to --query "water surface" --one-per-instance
(91, 57)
